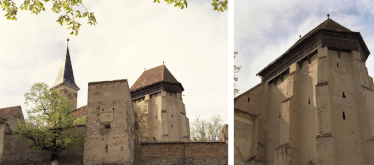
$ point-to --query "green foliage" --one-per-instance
(236, 70)
(203, 129)
(219, 5)
(50, 124)
(67, 9)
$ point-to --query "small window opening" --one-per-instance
(343, 95)
(113, 109)
(106, 148)
(171, 125)
(337, 65)
(309, 101)
(150, 96)
(249, 99)
(343, 115)
(156, 117)
(102, 110)
(107, 126)
(171, 115)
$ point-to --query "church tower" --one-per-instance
(157, 91)
(65, 80)
(314, 106)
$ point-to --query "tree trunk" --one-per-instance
(54, 159)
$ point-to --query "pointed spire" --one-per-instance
(65, 74)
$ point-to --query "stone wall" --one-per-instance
(18, 151)
(181, 153)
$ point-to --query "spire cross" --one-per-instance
(68, 42)
(162, 62)
(328, 15)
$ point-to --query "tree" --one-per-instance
(72, 9)
(236, 70)
(145, 124)
(203, 129)
(219, 5)
(50, 125)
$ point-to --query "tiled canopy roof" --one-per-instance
(82, 111)
(5, 113)
(65, 74)
(152, 76)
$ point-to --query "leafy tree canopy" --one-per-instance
(71, 9)
(50, 125)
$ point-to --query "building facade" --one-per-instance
(315, 104)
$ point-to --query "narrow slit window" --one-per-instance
(249, 99)
(171, 115)
(171, 125)
(343, 95)
(102, 110)
(309, 101)
(107, 126)
(337, 65)
(343, 115)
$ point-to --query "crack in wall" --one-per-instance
(358, 151)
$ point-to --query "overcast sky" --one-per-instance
(130, 36)
(265, 30)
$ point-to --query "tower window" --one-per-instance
(113, 109)
(337, 65)
(150, 96)
(171, 125)
(343, 115)
(102, 110)
(171, 115)
(249, 99)
(156, 117)
(309, 101)
(70, 96)
(343, 95)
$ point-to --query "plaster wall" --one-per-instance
(346, 132)
(307, 131)
(243, 132)
(110, 123)
(167, 114)
(278, 93)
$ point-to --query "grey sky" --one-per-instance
(264, 30)
(129, 36)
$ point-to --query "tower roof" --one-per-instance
(329, 33)
(65, 74)
(152, 76)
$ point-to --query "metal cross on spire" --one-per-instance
(68, 42)
(328, 15)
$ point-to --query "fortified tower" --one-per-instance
(160, 94)
(65, 80)
(315, 104)
(110, 124)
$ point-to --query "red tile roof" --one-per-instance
(82, 111)
(5, 113)
(152, 76)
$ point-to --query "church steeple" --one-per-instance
(65, 80)
(65, 74)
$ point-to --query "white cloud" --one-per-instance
(129, 36)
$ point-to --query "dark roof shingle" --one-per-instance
(65, 74)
